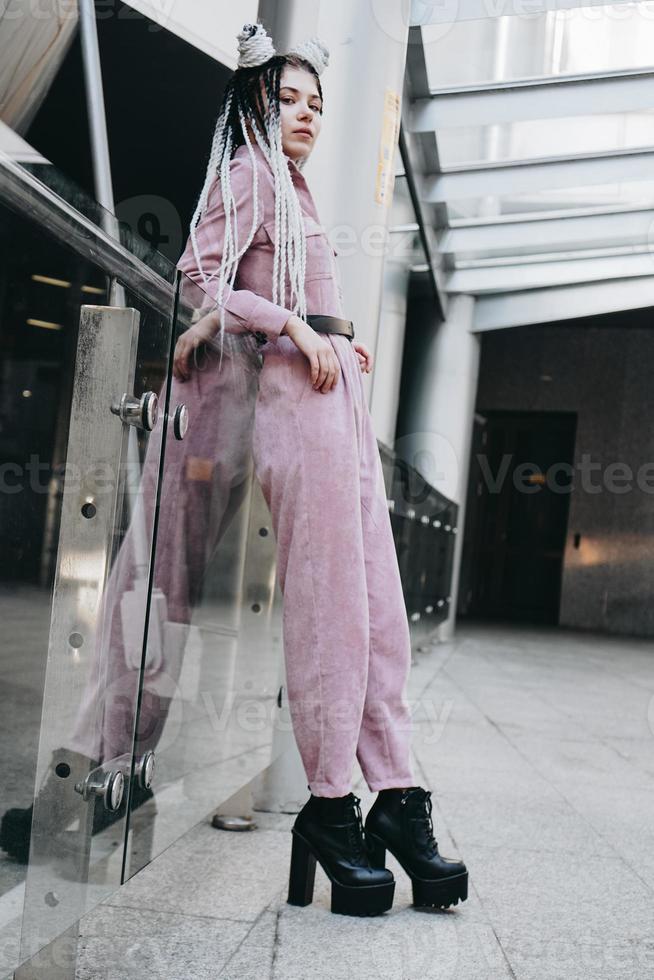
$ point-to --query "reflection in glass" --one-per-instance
(207, 649)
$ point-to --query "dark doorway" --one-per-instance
(517, 515)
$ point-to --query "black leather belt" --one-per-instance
(330, 324)
(321, 323)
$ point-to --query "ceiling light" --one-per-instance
(50, 281)
(45, 323)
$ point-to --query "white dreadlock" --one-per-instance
(289, 261)
(313, 50)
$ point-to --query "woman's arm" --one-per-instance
(244, 309)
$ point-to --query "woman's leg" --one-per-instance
(383, 749)
(306, 453)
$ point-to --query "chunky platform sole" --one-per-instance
(438, 893)
(346, 899)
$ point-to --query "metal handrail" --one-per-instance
(24, 193)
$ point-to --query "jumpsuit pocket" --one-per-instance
(320, 253)
(285, 374)
(299, 375)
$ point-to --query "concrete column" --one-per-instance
(439, 423)
(367, 44)
(389, 349)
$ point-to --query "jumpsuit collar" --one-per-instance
(295, 172)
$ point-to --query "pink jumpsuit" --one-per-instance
(345, 629)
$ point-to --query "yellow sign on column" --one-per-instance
(389, 137)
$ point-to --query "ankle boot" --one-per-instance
(330, 830)
(400, 821)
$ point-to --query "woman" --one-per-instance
(260, 252)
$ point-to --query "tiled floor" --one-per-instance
(539, 748)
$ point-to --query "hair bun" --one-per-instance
(255, 47)
(314, 51)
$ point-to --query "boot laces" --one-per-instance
(426, 824)
(355, 831)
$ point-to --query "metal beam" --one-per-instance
(634, 227)
(416, 78)
(426, 233)
(414, 160)
(565, 303)
(525, 178)
(523, 275)
(548, 98)
(425, 12)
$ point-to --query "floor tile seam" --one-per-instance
(276, 943)
(511, 938)
(589, 823)
(440, 667)
(606, 665)
(557, 790)
(545, 851)
(500, 732)
(498, 728)
(475, 891)
(631, 765)
(575, 718)
(522, 690)
(266, 909)
(522, 797)
(539, 697)
(177, 912)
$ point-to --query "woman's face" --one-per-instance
(300, 106)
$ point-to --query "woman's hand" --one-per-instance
(364, 355)
(323, 363)
(201, 332)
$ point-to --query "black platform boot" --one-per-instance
(400, 821)
(330, 830)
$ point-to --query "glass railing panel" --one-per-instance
(211, 669)
(43, 288)
(94, 653)
(70, 465)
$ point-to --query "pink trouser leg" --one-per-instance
(346, 637)
(383, 750)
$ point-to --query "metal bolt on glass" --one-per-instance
(142, 412)
(108, 784)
